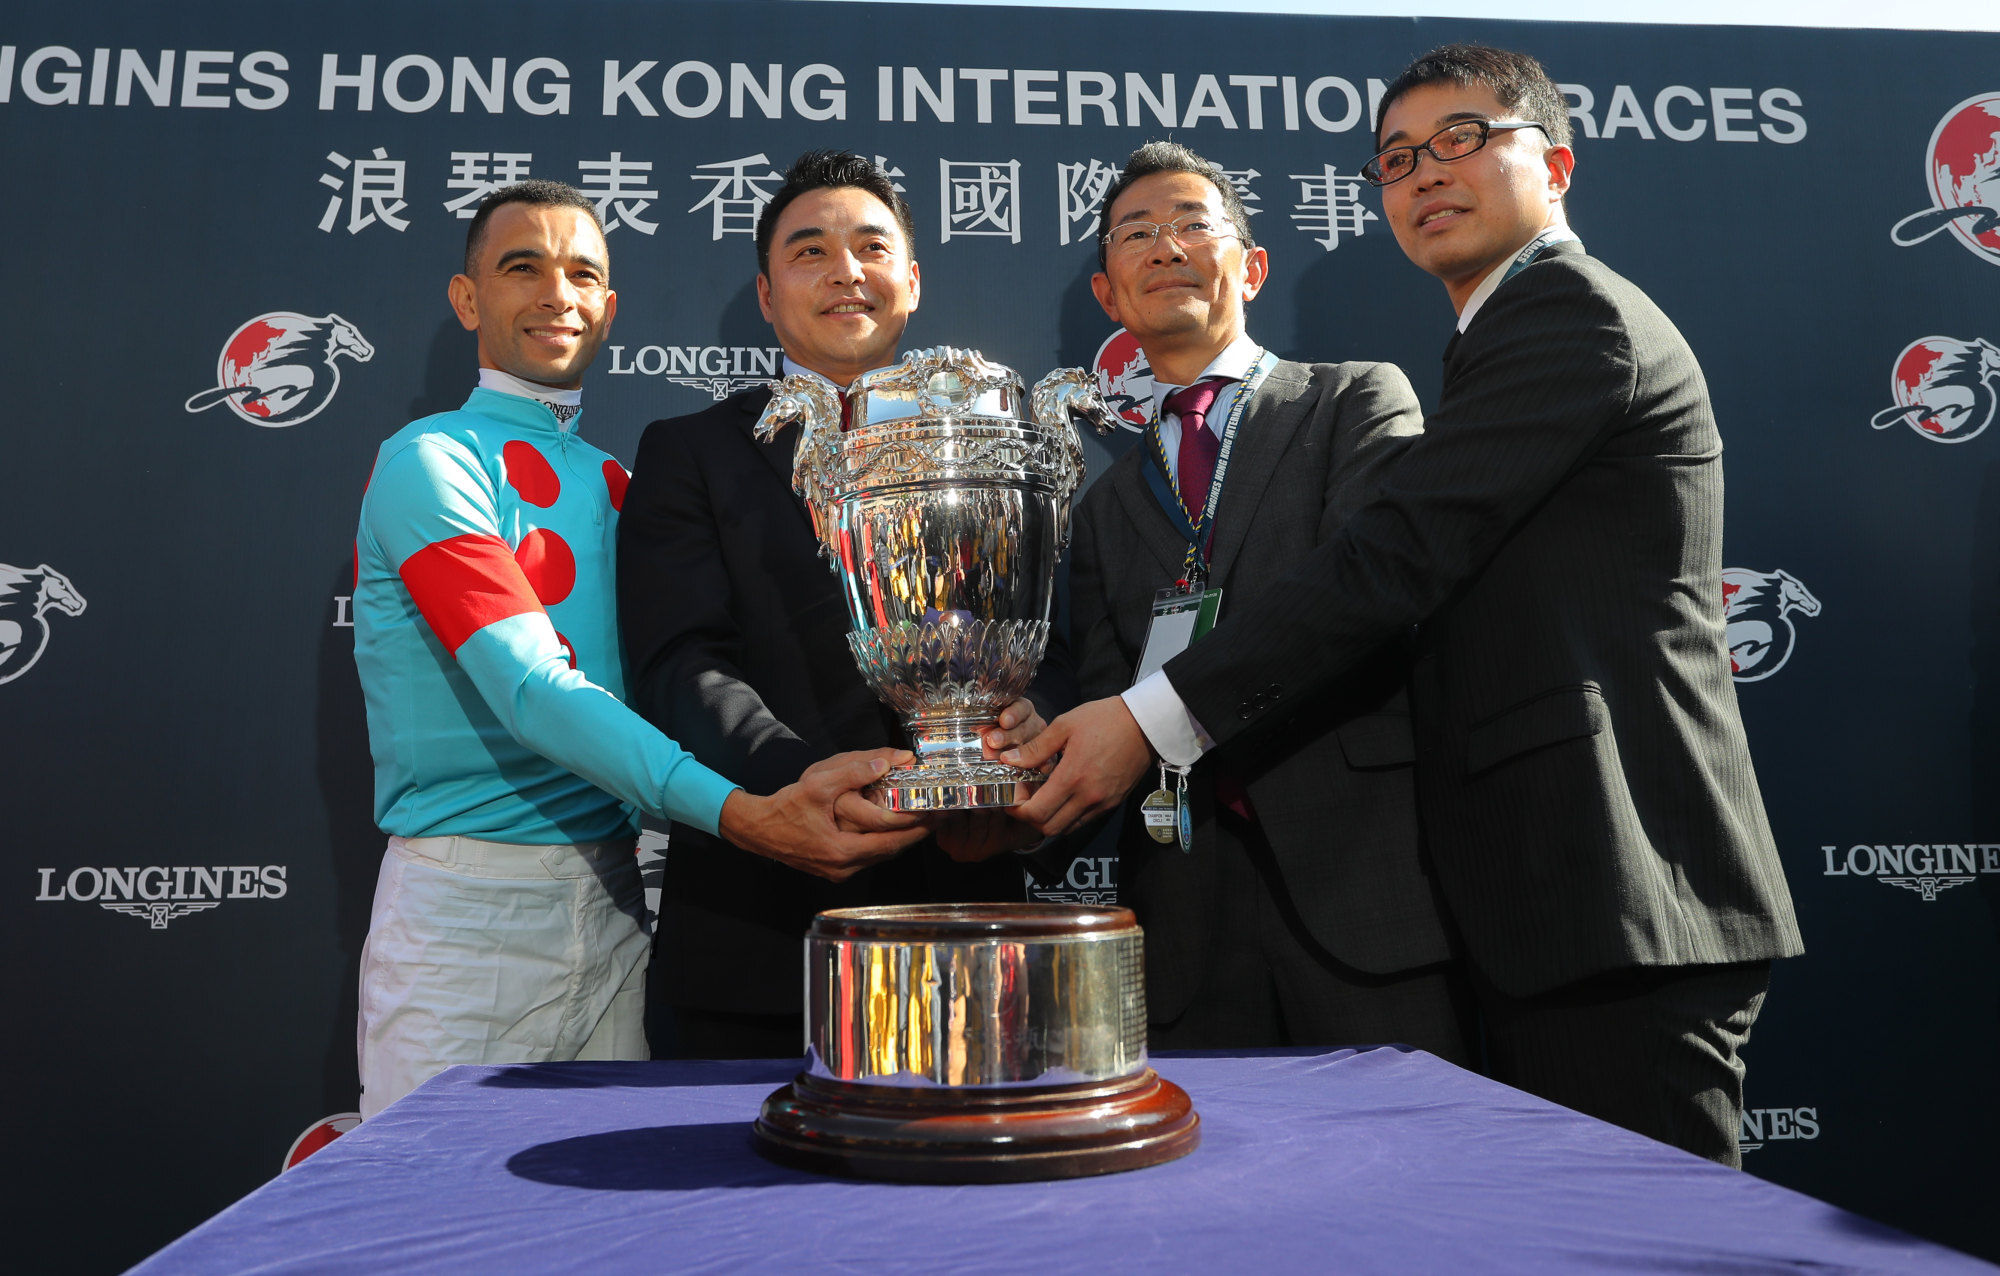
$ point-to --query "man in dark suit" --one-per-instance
(735, 633)
(1555, 534)
(1299, 914)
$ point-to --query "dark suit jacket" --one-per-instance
(1333, 788)
(736, 646)
(1584, 779)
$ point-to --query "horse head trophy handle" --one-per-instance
(1059, 401)
(814, 404)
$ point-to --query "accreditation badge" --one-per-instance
(1180, 617)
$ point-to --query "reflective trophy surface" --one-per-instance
(943, 507)
(976, 1043)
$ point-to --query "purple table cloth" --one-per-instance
(1384, 1160)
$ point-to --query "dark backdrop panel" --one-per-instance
(176, 685)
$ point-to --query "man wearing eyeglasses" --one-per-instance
(1291, 908)
(1555, 536)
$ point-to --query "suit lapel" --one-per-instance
(1149, 522)
(778, 452)
(1274, 416)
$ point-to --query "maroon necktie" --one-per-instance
(1198, 443)
(846, 412)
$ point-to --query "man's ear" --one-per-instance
(1256, 269)
(916, 286)
(1562, 162)
(1100, 288)
(464, 302)
(764, 295)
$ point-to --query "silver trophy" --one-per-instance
(943, 508)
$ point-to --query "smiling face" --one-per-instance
(841, 285)
(1459, 220)
(1183, 304)
(541, 299)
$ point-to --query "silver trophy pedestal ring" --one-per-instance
(943, 509)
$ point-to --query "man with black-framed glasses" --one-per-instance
(1555, 537)
(1290, 908)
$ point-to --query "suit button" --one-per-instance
(1274, 691)
(1245, 709)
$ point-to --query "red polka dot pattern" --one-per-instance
(530, 474)
(615, 480)
(568, 646)
(549, 564)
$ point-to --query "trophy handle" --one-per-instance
(814, 404)
(1069, 395)
(1059, 401)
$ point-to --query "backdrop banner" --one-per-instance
(250, 212)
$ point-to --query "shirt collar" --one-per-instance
(507, 383)
(1235, 362)
(1498, 275)
(793, 368)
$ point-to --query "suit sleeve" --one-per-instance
(1101, 667)
(1541, 380)
(683, 645)
(431, 509)
(1376, 418)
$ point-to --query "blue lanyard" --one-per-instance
(1534, 248)
(1159, 475)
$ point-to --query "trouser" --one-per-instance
(486, 952)
(1268, 982)
(1653, 1049)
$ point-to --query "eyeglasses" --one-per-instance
(1192, 231)
(1453, 142)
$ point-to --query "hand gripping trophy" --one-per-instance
(943, 507)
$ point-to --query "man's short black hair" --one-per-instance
(1517, 80)
(536, 193)
(823, 170)
(1172, 157)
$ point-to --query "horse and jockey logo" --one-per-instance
(1962, 168)
(25, 598)
(1758, 609)
(1943, 388)
(1125, 379)
(278, 369)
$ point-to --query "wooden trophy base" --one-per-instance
(944, 1134)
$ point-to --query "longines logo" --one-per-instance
(1929, 870)
(1088, 881)
(718, 371)
(1767, 1125)
(161, 894)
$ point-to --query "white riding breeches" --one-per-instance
(485, 952)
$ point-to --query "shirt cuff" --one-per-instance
(1169, 727)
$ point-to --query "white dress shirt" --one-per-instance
(1169, 727)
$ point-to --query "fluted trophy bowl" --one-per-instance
(943, 507)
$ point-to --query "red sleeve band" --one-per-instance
(466, 583)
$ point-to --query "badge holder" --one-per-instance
(1182, 613)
